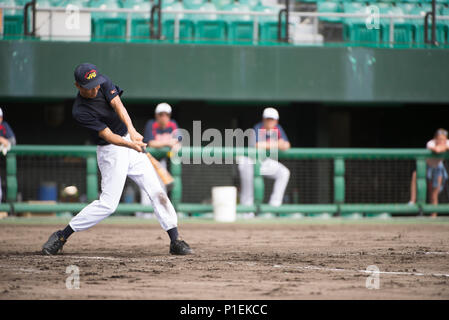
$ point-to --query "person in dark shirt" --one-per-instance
(7, 139)
(162, 131)
(120, 153)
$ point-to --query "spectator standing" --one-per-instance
(7, 139)
(436, 172)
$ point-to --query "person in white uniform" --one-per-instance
(120, 153)
(268, 134)
(160, 132)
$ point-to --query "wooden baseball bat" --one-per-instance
(165, 176)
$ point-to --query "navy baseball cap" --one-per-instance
(87, 76)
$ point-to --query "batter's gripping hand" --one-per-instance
(137, 140)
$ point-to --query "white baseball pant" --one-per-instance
(116, 163)
(144, 199)
(269, 168)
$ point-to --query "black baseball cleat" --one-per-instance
(54, 244)
(180, 247)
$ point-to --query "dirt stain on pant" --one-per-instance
(162, 199)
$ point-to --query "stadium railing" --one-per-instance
(338, 156)
(177, 17)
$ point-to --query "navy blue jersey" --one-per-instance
(276, 133)
(6, 131)
(153, 131)
(96, 114)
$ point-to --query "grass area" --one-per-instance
(198, 220)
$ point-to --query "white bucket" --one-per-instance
(224, 201)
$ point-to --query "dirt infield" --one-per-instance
(232, 261)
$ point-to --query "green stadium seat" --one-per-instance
(437, 1)
(418, 26)
(211, 30)
(12, 26)
(354, 29)
(140, 28)
(271, 18)
(269, 24)
(44, 4)
(193, 4)
(240, 27)
(241, 31)
(221, 3)
(237, 8)
(440, 32)
(12, 21)
(131, 3)
(445, 23)
(351, 7)
(250, 3)
(209, 26)
(426, 7)
(11, 12)
(18, 2)
(205, 7)
(140, 22)
(105, 4)
(109, 28)
(406, 7)
(186, 29)
(403, 30)
(269, 31)
(107, 25)
(167, 2)
(186, 26)
(138, 5)
(359, 33)
(58, 3)
(326, 7)
(63, 3)
(174, 6)
(445, 12)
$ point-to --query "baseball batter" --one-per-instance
(98, 107)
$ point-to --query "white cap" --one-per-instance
(271, 113)
(1, 112)
(163, 107)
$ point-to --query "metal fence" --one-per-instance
(322, 180)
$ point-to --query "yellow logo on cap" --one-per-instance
(90, 75)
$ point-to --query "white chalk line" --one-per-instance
(29, 270)
(275, 266)
(363, 253)
(92, 257)
(436, 252)
(364, 271)
(171, 258)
